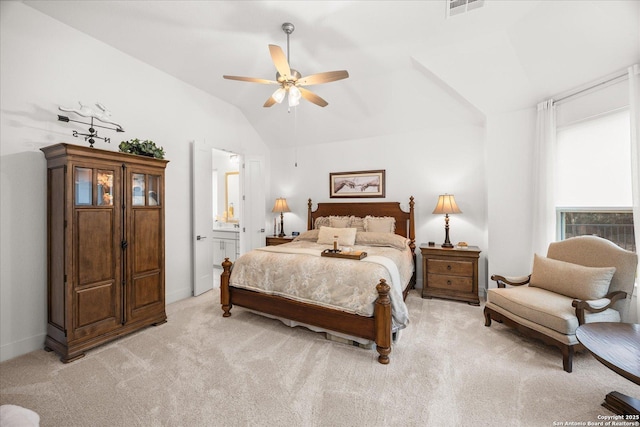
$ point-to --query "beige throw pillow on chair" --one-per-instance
(572, 280)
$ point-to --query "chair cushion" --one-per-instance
(545, 308)
(572, 280)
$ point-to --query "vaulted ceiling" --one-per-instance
(410, 67)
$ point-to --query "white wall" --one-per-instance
(509, 154)
(45, 64)
(420, 164)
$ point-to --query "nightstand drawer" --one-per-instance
(454, 283)
(455, 268)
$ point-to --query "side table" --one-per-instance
(275, 240)
(450, 273)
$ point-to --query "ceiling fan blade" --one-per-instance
(252, 80)
(326, 77)
(280, 61)
(269, 102)
(312, 97)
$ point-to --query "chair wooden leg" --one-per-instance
(567, 358)
(487, 317)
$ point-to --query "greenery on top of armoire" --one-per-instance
(142, 148)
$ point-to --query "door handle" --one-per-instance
(200, 237)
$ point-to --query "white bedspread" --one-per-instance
(297, 271)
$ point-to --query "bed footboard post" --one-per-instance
(382, 313)
(225, 297)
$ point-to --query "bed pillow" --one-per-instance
(572, 280)
(368, 238)
(309, 235)
(346, 236)
(380, 224)
(321, 221)
(339, 221)
(357, 223)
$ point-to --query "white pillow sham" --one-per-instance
(346, 236)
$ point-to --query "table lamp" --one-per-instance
(281, 206)
(446, 205)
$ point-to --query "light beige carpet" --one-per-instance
(201, 369)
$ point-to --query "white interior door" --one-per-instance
(253, 218)
(202, 211)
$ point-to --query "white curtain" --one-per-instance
(634, 110)
(544, 174)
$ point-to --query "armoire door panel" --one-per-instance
(97, 303)
(147, 290)
(147, 243)
(97, 241)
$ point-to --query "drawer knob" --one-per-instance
(448, 267)
(449, 282)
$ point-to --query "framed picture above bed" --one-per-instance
(356, 184)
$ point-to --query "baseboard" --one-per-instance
(178, 295)
(23, 346)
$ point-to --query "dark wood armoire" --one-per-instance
(105, 246)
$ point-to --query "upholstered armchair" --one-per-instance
(582, 280)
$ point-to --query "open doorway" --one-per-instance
(227, 209)
(217, 213)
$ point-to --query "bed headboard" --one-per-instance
(405, 222)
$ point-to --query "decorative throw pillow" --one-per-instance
(309, 235)
(339, 221)
(572, 280)
(380, 224)
(381, 239)
(321, 221)
(346, 236)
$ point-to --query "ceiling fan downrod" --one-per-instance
(288, 28)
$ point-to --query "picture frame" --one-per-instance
(358, 184)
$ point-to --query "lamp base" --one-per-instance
(281, 225)
(447, 242)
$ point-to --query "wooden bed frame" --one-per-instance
(376, 328)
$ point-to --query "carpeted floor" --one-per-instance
(200, 369)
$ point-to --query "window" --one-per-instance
(593, 189)
(616, 226)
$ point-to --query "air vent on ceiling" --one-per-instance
(456, 7)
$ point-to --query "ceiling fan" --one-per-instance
(290, 80)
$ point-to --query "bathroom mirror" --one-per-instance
(232, 196)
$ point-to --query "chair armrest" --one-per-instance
(596, 306)
(510, 280)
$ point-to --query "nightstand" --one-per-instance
(275, 240)
(450, 273)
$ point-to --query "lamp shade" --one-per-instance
(281, 205)
(446, 205)
(279, 95)
(294, 96)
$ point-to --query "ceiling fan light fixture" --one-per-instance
(288, 79)
(294, 96)
(279, 94)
